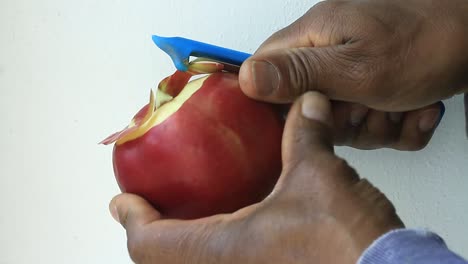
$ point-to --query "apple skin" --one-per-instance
(219, 152)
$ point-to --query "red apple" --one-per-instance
(200, 149)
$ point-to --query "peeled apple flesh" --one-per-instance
(200, 147)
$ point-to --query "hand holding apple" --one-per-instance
(319, 212)
(202, 147)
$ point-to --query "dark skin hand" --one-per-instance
(388, 55)
(319, 212)
(360, 127)
(393, 56)
(386, 65)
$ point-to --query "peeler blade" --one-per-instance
(181, 49)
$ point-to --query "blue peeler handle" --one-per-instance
(180, 50)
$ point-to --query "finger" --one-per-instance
(418, 127)
(309, 161)
(182, 241)
(152, 239)
(280, 76)
(132, 211)
(359, 127)
(308, 129)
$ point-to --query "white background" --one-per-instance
(71, 72)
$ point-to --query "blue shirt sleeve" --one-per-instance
(409, 246)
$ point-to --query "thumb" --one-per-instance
(308, 129)
(282, 75)
(132, 211)
(309, 161)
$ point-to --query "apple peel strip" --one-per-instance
(168, 89)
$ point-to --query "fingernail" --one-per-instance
(114, 212)
(316, 106)
(395, 117)
(266, 77)
(358, 113)
(429, 120)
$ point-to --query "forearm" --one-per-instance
(409, 246)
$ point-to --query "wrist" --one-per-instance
(405, 246)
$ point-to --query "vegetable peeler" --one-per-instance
(181, 49)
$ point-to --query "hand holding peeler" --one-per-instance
(181, 49)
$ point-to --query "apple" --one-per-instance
(199, 147)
